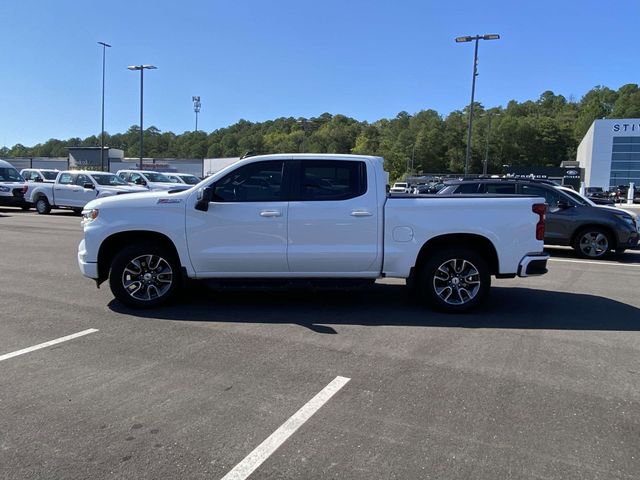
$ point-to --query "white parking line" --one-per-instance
(595, 262)
(263, 451)
(6, 356)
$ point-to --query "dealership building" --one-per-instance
(610, 153)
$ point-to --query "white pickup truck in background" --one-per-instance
(74, 189)
(310, 216)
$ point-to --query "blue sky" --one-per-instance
(258, 59)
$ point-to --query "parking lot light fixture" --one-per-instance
(142, 68)
(465, 39)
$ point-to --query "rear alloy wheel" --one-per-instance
(592, 243)
(455, 280)
(144, 276)
(42, 206)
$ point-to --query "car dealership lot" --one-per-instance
(544, 382)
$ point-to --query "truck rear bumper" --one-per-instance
(533, 264)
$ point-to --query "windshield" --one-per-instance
(10, 174)
(577, 197)
(157, 177)
(108, 179)
(190, 179)
(49, 175)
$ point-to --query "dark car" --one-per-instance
(620, 193)
(598, 195)
(572, 219)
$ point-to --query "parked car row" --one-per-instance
(45, 189)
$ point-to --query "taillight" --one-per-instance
(541, 210)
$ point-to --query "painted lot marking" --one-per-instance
(595, 262)
(7, 356)
(263, 451)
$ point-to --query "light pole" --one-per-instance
(196, 108)
(104, 48)
(492, 36)
(486, 151)
(142, 68)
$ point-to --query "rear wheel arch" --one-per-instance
(116, 242)
(479, 244)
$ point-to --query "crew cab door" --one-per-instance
(333, 218)
(244, 230)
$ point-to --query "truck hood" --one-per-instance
(141, 199)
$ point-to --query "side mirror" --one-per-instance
(563, 205)
(204, 198)
(38, 179)
(89, 185)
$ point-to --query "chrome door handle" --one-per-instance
(270, 213)
(361, 213)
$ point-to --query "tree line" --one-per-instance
(543, 132)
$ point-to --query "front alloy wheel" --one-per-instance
(592, 243)
(147, 277)
(144, 276)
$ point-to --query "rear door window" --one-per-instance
(467, 188)
(323, 180)
(551, 196)
(500, 188)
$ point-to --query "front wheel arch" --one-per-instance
(113, 244)
(580, 232)
(144, 275)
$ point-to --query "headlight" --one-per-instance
(89, 216)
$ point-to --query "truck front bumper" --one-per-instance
(533, 264)
(88, 269)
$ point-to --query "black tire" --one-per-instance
(42, 206)
(77, 211)
(25, 208)
(158, 279)
(455, 280)
(593, 243)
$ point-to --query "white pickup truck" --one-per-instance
(310, 216)
(74, 189)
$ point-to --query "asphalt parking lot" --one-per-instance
(544, 382)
